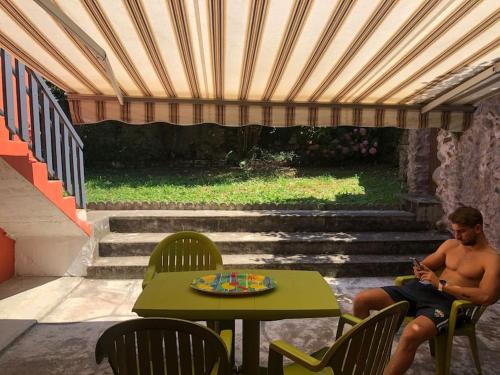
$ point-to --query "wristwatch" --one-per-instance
(441, 284)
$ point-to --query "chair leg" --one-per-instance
(475, 351)
(229, 324)
(440, 354)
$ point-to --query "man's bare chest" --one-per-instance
(466, 264)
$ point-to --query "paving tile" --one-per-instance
(96, 300)
(34, 297)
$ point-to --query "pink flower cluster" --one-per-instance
(363, 146)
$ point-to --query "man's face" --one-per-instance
(466, 235)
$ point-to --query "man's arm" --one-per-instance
(434, 261)
(437, 259)
(488, 291)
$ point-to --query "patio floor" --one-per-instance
(51, 325)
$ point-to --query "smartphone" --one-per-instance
(416, 263)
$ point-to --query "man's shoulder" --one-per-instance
(490, 258)
(450, 244)
(492, 255)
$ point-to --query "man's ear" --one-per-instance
(478, 228)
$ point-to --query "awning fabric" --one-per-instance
(275, 62)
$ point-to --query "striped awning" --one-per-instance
(409, 64)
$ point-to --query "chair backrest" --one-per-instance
(366, 348)
(162, 346)
(185, 251)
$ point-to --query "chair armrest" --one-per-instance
(150, 274)
(351, 319)
(346, 318)
(461, 304)
(227, 337)
(280, 348)
(400, 280)
(458, 306)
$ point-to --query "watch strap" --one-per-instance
(441, 284)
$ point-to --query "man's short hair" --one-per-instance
(468, 216)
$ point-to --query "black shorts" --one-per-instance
(424, 300)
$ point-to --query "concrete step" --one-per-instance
(327, 265)
(142, 244)
(158, 221)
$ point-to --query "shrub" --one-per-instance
(113, 143)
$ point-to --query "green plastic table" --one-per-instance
(299, 294)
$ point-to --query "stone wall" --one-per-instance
(469, 173)
(403, 157)
(419, 154)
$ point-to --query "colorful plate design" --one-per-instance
(233, 283)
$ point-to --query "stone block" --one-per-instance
(427, 209)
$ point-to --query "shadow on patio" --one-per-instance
(63, 318)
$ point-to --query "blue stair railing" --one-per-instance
(33, 115)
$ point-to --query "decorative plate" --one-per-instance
(233, 283)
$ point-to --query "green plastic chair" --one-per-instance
(183, 251)
(152, 345)
(364, 349)
(441, 346)
(187, 251)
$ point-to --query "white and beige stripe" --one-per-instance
(240, 113)
(269, 62)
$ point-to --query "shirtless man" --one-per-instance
(471, 271)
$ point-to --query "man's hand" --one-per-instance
(425, 273)
(416, 272)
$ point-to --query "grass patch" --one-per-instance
(363, 186)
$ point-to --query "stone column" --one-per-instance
(421, 163)
(403, 157)
(419, 156)
(447, 175)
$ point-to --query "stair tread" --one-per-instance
(127, 214)
(234, 259)
(116, 237)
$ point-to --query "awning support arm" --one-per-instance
(471, 82)
(66, 22)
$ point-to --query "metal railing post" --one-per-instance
(53, 139)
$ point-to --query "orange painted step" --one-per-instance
(19, 157)
(13, 148)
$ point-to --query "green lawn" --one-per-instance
(363, 186)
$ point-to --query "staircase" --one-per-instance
(18, 158)
(335, 243)
(41, 173)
